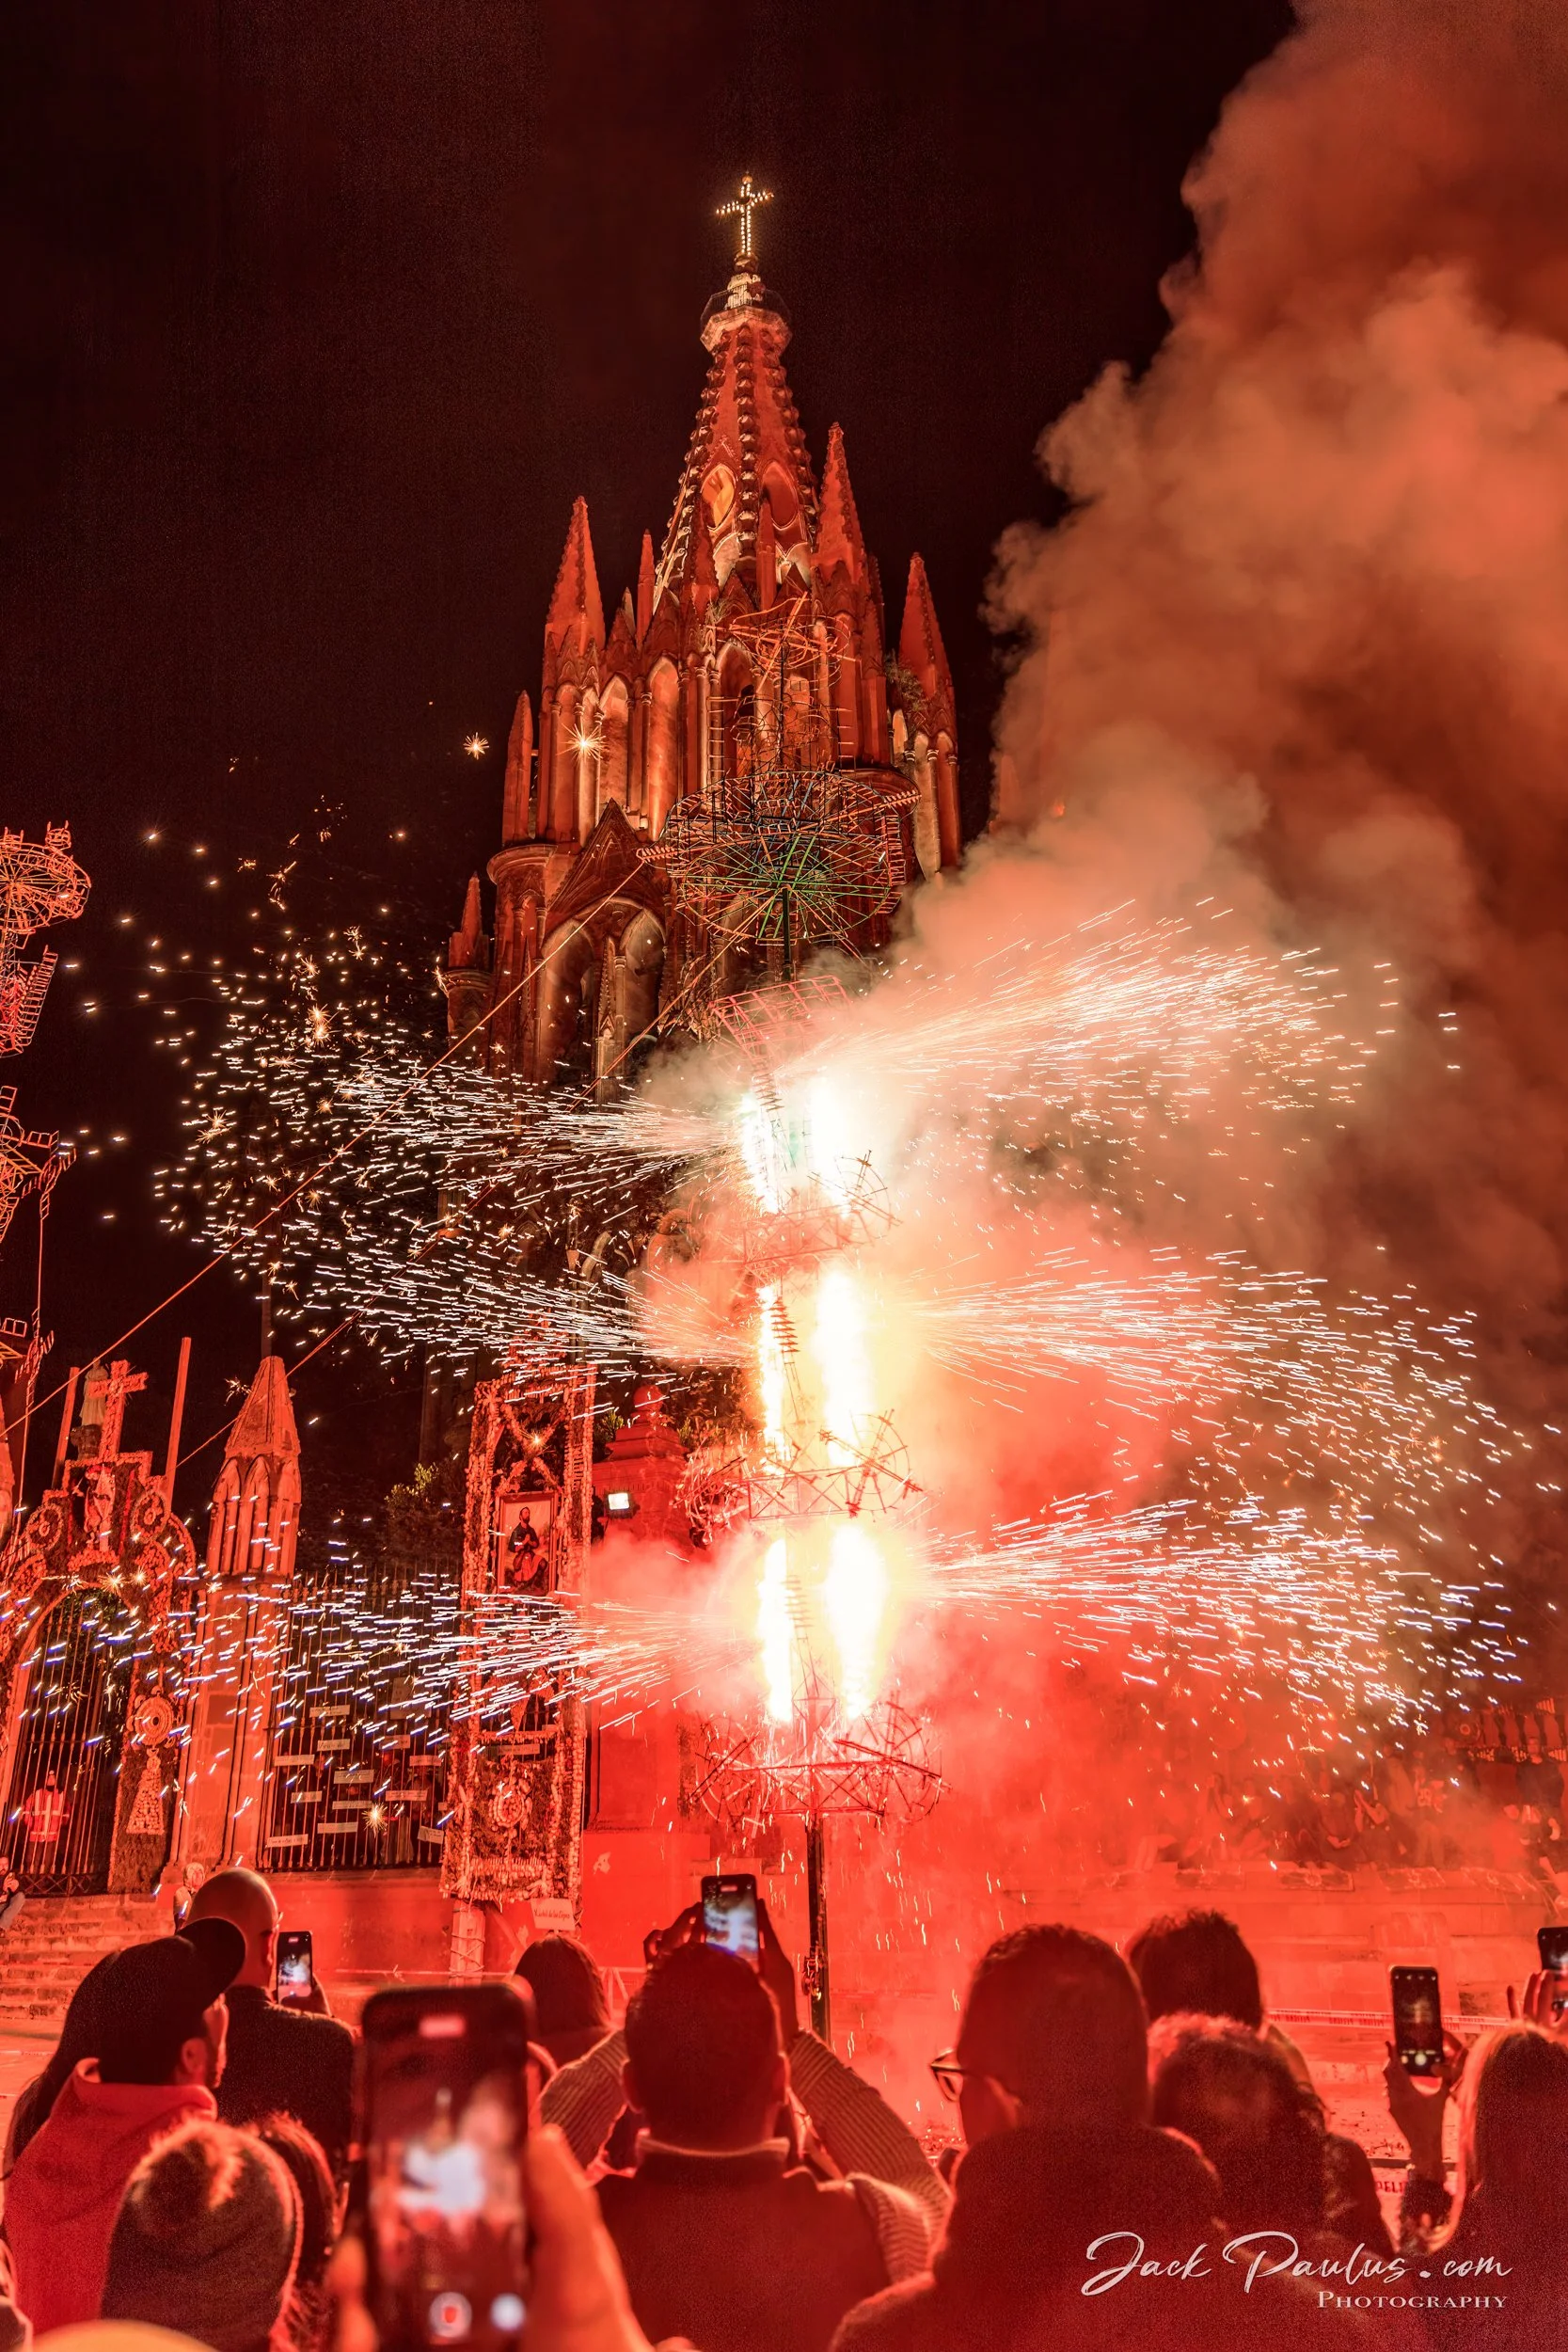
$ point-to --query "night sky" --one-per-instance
(319, 317)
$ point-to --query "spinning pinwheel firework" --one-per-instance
(823, 1762)
(790, 855)
(877, 1765)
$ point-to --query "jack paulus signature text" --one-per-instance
(1274, 2254)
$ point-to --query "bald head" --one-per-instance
(247, 1902)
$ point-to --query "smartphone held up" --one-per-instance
(296, 1967)
(729, 1916)
(1552, 1945)
(445, 2120)
(1417, 2020)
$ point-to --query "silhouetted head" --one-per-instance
(569, 2000)
(1196, 1966)
(161, 2016)
(302, 2153)
(1513, 2127)
(703, 2056)
(247, 1902)
(1054, 2033)
(207, 2239)
(1261, 2130)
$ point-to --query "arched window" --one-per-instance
(568, 1007)
(663, 718)
(612, 747)
(719, 510)
(778, 489)
(743, 958)
(257, 1513)
(789, 529)
(642, 975)
(587, 748)
(846, 699)
(222, 1526)
(927, 833)
(564, 766)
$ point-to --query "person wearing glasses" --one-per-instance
(1049, 2078)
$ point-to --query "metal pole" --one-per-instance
(817, 1905)
(176, 1417)
(19, 1482)
(67, 1411)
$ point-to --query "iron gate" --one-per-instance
(59, 1814)
(357, 1751)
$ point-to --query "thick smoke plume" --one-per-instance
(1320, 552)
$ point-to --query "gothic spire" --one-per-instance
(839, 539)
(254, 1530)
(519, 773)
(266, 1419)
(468, 944)
(576, 618)
(748, 445)
(920, 646)
(645, 586)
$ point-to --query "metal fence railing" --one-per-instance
(357, 1747)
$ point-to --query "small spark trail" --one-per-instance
(1113, 1021)
(1377, 1385)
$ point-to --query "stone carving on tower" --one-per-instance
(514, 1790)
(758, 630)
(96, 1594)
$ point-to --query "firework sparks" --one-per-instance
(470, 1211)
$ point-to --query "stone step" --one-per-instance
(22, 1950)
(53, 1940)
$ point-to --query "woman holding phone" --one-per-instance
(1504, 2230)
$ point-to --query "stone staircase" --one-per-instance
(54, 1940)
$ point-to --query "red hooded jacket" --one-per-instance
(62, 2198)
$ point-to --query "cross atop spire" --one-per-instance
(748, 199)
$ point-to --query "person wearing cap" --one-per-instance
(281, 2061)
(159, 2041)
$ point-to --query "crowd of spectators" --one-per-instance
(1145, 2162)
(1441, 1803)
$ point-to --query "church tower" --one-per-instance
(655, 711)
(252, 1543)
(255, 1524)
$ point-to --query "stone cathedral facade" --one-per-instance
(587, 949)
